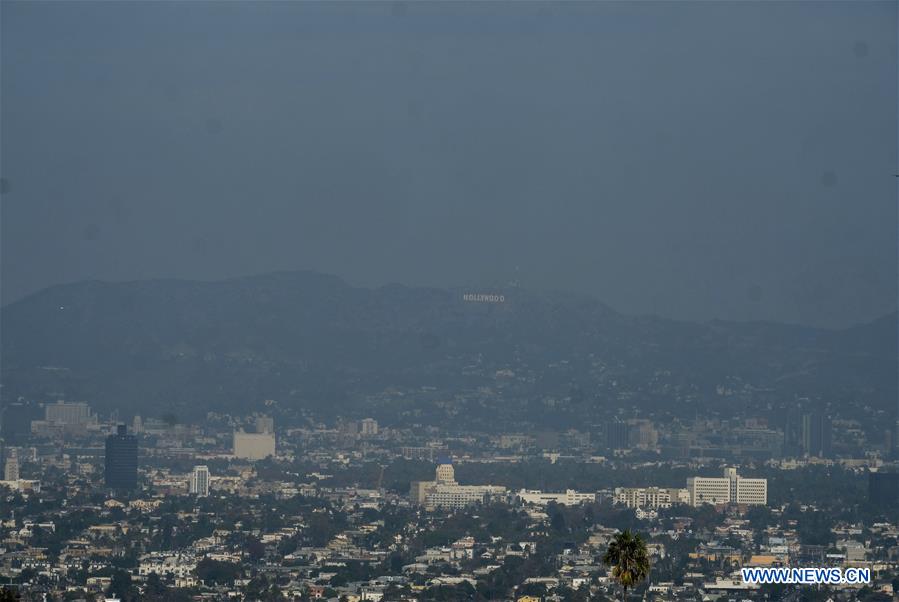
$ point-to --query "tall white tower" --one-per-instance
(11, 468)
(199, 481)
(446, 474)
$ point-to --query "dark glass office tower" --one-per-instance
(816, 435)
(793, 433)
(617, 435)
(883, 489)
(121, 460)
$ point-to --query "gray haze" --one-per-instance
(695, 160)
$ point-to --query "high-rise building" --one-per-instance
(265, 424)
(816, 435)
(444, 492)
(643, 434)
(121, 459)
(617, 435)
(445, 473)
(705, 490)
(199, 481)
(368, 427)
(650, 497)
(63, 418)
(253, 446)
(792, 443)
(68, 413)
(11, 467)
(883, 489)
(418, 491)
(348, 427)
(731, 489)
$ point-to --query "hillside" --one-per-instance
(312, 341)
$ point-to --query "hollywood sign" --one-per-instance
(483, 298)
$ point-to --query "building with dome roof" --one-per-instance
(445, 492)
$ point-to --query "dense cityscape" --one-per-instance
(243, 506)
(449, 301)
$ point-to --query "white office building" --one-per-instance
(460, 496)
(445, 492)
(62, 417)
(729, 489)
(68, 413)
(11, 467)
(253, 446)
(199, 481)
(368, 427)
(445, 473)
(569, 498)
(651, 497)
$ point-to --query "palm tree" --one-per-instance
(628, 558)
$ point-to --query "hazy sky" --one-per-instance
(697, 160)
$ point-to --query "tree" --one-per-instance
(537, 590)
(8, 595)
(27, 575)
(255, 549)
(120, 586)
(396, 562)
(217, 572)
(628, 558)
(154, 589)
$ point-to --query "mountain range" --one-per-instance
(312, 341)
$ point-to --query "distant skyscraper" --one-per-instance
(348, 427)
(199, 481)
(617, 435)
(121, 460)
(265, 424)
(68, 413)
(368, 427)
(883, 489)
(816, 435)
(445, 492)
(729, 489)
(445, 471)
(11, 467)
(792, 444)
